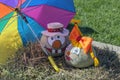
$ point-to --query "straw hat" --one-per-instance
(55, 28)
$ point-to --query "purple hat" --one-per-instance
(55, 28)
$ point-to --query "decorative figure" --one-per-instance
(80, 52)
(55, 39)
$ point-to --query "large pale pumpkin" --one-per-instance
(76, 57)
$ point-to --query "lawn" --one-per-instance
(100, 19)
(41, 69)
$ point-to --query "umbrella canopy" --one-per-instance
(21, 21)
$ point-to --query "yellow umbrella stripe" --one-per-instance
(10, 40)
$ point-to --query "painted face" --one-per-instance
(73, 55)
(56, 41)
(76, 57)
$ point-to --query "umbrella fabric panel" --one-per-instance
(63, 4)
(25, 31)
(10, 40)
(4, 21)
(12, 3)
(20, 2)
(45, 14)
(4, 10)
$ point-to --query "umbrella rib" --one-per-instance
(27, 4)
(9, 24)
(30, 28)
(35, 35)
(33, 32)
(7, 18)
(31, 9)
(37, 38)
(22, 23)
(20, 3)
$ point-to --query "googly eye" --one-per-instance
(61, 38)
(75, 50)
(58, 37)
(51, 40)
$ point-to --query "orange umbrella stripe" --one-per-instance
(4, 10)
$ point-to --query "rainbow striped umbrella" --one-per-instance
(21, 21)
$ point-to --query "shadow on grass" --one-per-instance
(110, 60)
(84, 29)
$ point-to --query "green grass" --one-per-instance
(100, 19)
(16, 69)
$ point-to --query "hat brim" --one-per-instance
(65, 32)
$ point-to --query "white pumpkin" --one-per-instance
(55, 39)
(54, 45)
(75, 56)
